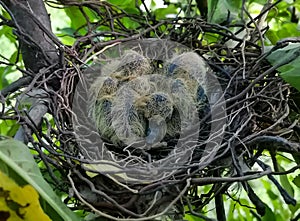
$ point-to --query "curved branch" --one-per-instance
(14, 86)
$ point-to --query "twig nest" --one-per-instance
(136, 104)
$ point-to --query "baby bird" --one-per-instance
(102, 95)
(191, 70)
(131, 65)
(157, 108)
(132, 104)
(103, 90)
(141, 110)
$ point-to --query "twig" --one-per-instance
(16, 85)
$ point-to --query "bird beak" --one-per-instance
(157, 129)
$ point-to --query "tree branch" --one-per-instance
(37, 48)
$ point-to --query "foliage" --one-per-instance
(290, 56)
(17, 162)
(19, 203)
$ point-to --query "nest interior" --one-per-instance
(113, 182)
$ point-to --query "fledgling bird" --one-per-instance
(141, 110)
(133, 103)
(131, 65)
(191, 70)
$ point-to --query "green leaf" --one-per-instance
(67, 31)
(294, 209)
(8, 127)
(289, 72)
(272, 36)
(7, 32)
(230, 215)
(76, 17)
(127, 5)
(218, 10)
(17, 157)
(296, 181)
(121, 3)
(163, 13)
(13, 58)
(210, 38)
(190, 217)
(3, 72)
(286, 183)
(129, 23)
(269, 215)
(261, 2)
(272, 195)
(66, 35)
(288, 30)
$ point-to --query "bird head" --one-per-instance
(157, 108)
(132, 65)
(108, 87)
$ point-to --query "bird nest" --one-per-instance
(136, 125)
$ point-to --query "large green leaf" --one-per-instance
(77, 19)
(17, 157)
(290, 72)
(127, 5)
(66, 35)
(286, 30)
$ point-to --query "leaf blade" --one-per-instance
(17, 156)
